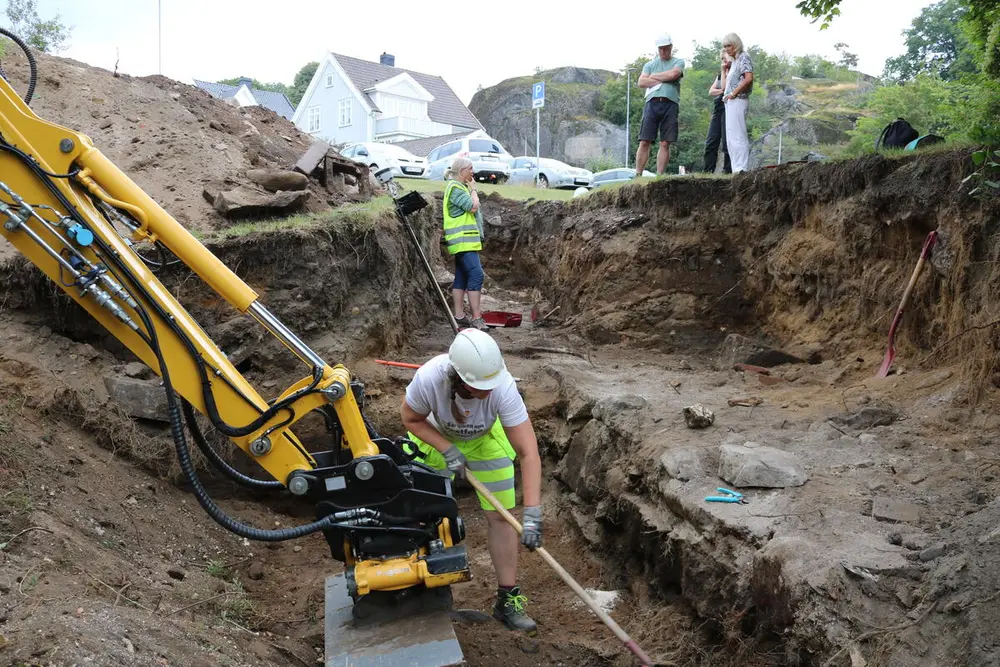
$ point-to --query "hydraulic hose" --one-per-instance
(217, 461)
(173, 405)
(33, 77)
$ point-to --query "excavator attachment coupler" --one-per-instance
(407, 628)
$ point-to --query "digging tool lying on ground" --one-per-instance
(890, 352)
(565, 576)
(397, 364)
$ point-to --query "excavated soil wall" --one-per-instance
(813, 254)
(351, 288)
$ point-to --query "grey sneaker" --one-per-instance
(480, 324)
(463, 321)
(509, 610)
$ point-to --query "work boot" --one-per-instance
(509, 610)
(480, 324)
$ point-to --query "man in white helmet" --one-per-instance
(661, 77)
(464, 413)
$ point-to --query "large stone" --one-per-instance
(683, 464)
(751, 465)
(138, 370)
(891, 509)
(581, 467)
(138, 398)
(313, 157)
(737, 349)
(698, 416)
(274, 180)
(244, 202)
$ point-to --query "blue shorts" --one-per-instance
(468, 272)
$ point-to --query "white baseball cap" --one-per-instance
(664, 40)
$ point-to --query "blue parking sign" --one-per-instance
(538, 95)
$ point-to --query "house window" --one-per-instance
(313, 119)
(329, 80)
(344, 109)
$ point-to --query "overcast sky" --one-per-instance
(468, 43)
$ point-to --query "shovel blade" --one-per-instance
(883, 370)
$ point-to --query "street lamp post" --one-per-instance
(628, 109)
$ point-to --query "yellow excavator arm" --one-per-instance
(393, 521)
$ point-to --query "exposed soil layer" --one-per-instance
(886, 554)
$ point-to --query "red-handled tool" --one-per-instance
(890, 353)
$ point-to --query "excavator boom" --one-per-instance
(391, 520)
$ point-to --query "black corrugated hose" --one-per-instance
(216, 460)
(33, 77)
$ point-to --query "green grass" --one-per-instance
(218, 569)
(362, 216)
(515, 192)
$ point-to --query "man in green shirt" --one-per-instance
(661, 77)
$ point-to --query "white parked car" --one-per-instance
(490, 160)
(619, 175)
(402, 162)
(551, 174)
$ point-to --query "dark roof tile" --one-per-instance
(445, 108)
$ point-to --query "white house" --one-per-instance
(350, 100)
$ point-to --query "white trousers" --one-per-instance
(736, 134)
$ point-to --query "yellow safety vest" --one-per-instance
(461, 234)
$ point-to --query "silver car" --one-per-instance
(620, 175)
(551, 174)
(490, 161)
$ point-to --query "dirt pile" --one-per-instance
(182, 146)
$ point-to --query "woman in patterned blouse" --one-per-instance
(739, 84)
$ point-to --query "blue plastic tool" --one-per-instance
(730, 497)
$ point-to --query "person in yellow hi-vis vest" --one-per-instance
(463, 235)
(463, 412)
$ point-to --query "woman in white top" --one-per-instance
(464, 413)
(739, 85)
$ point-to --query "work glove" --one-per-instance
(531, 535)
(455, 459)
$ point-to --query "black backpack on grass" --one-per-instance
(896, 134)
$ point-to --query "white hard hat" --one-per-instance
(476, 358)
(579, 192)
(664, 40)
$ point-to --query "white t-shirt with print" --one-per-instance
(429, 393)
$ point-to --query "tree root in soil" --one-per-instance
(879, 631)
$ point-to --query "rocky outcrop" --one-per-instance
(571, 129)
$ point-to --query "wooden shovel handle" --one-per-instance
(563, 574)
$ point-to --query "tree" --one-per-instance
(612, 100)
(820, 9)
(847, 59)
(936, 44)
(50, 35)
(301, 82)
